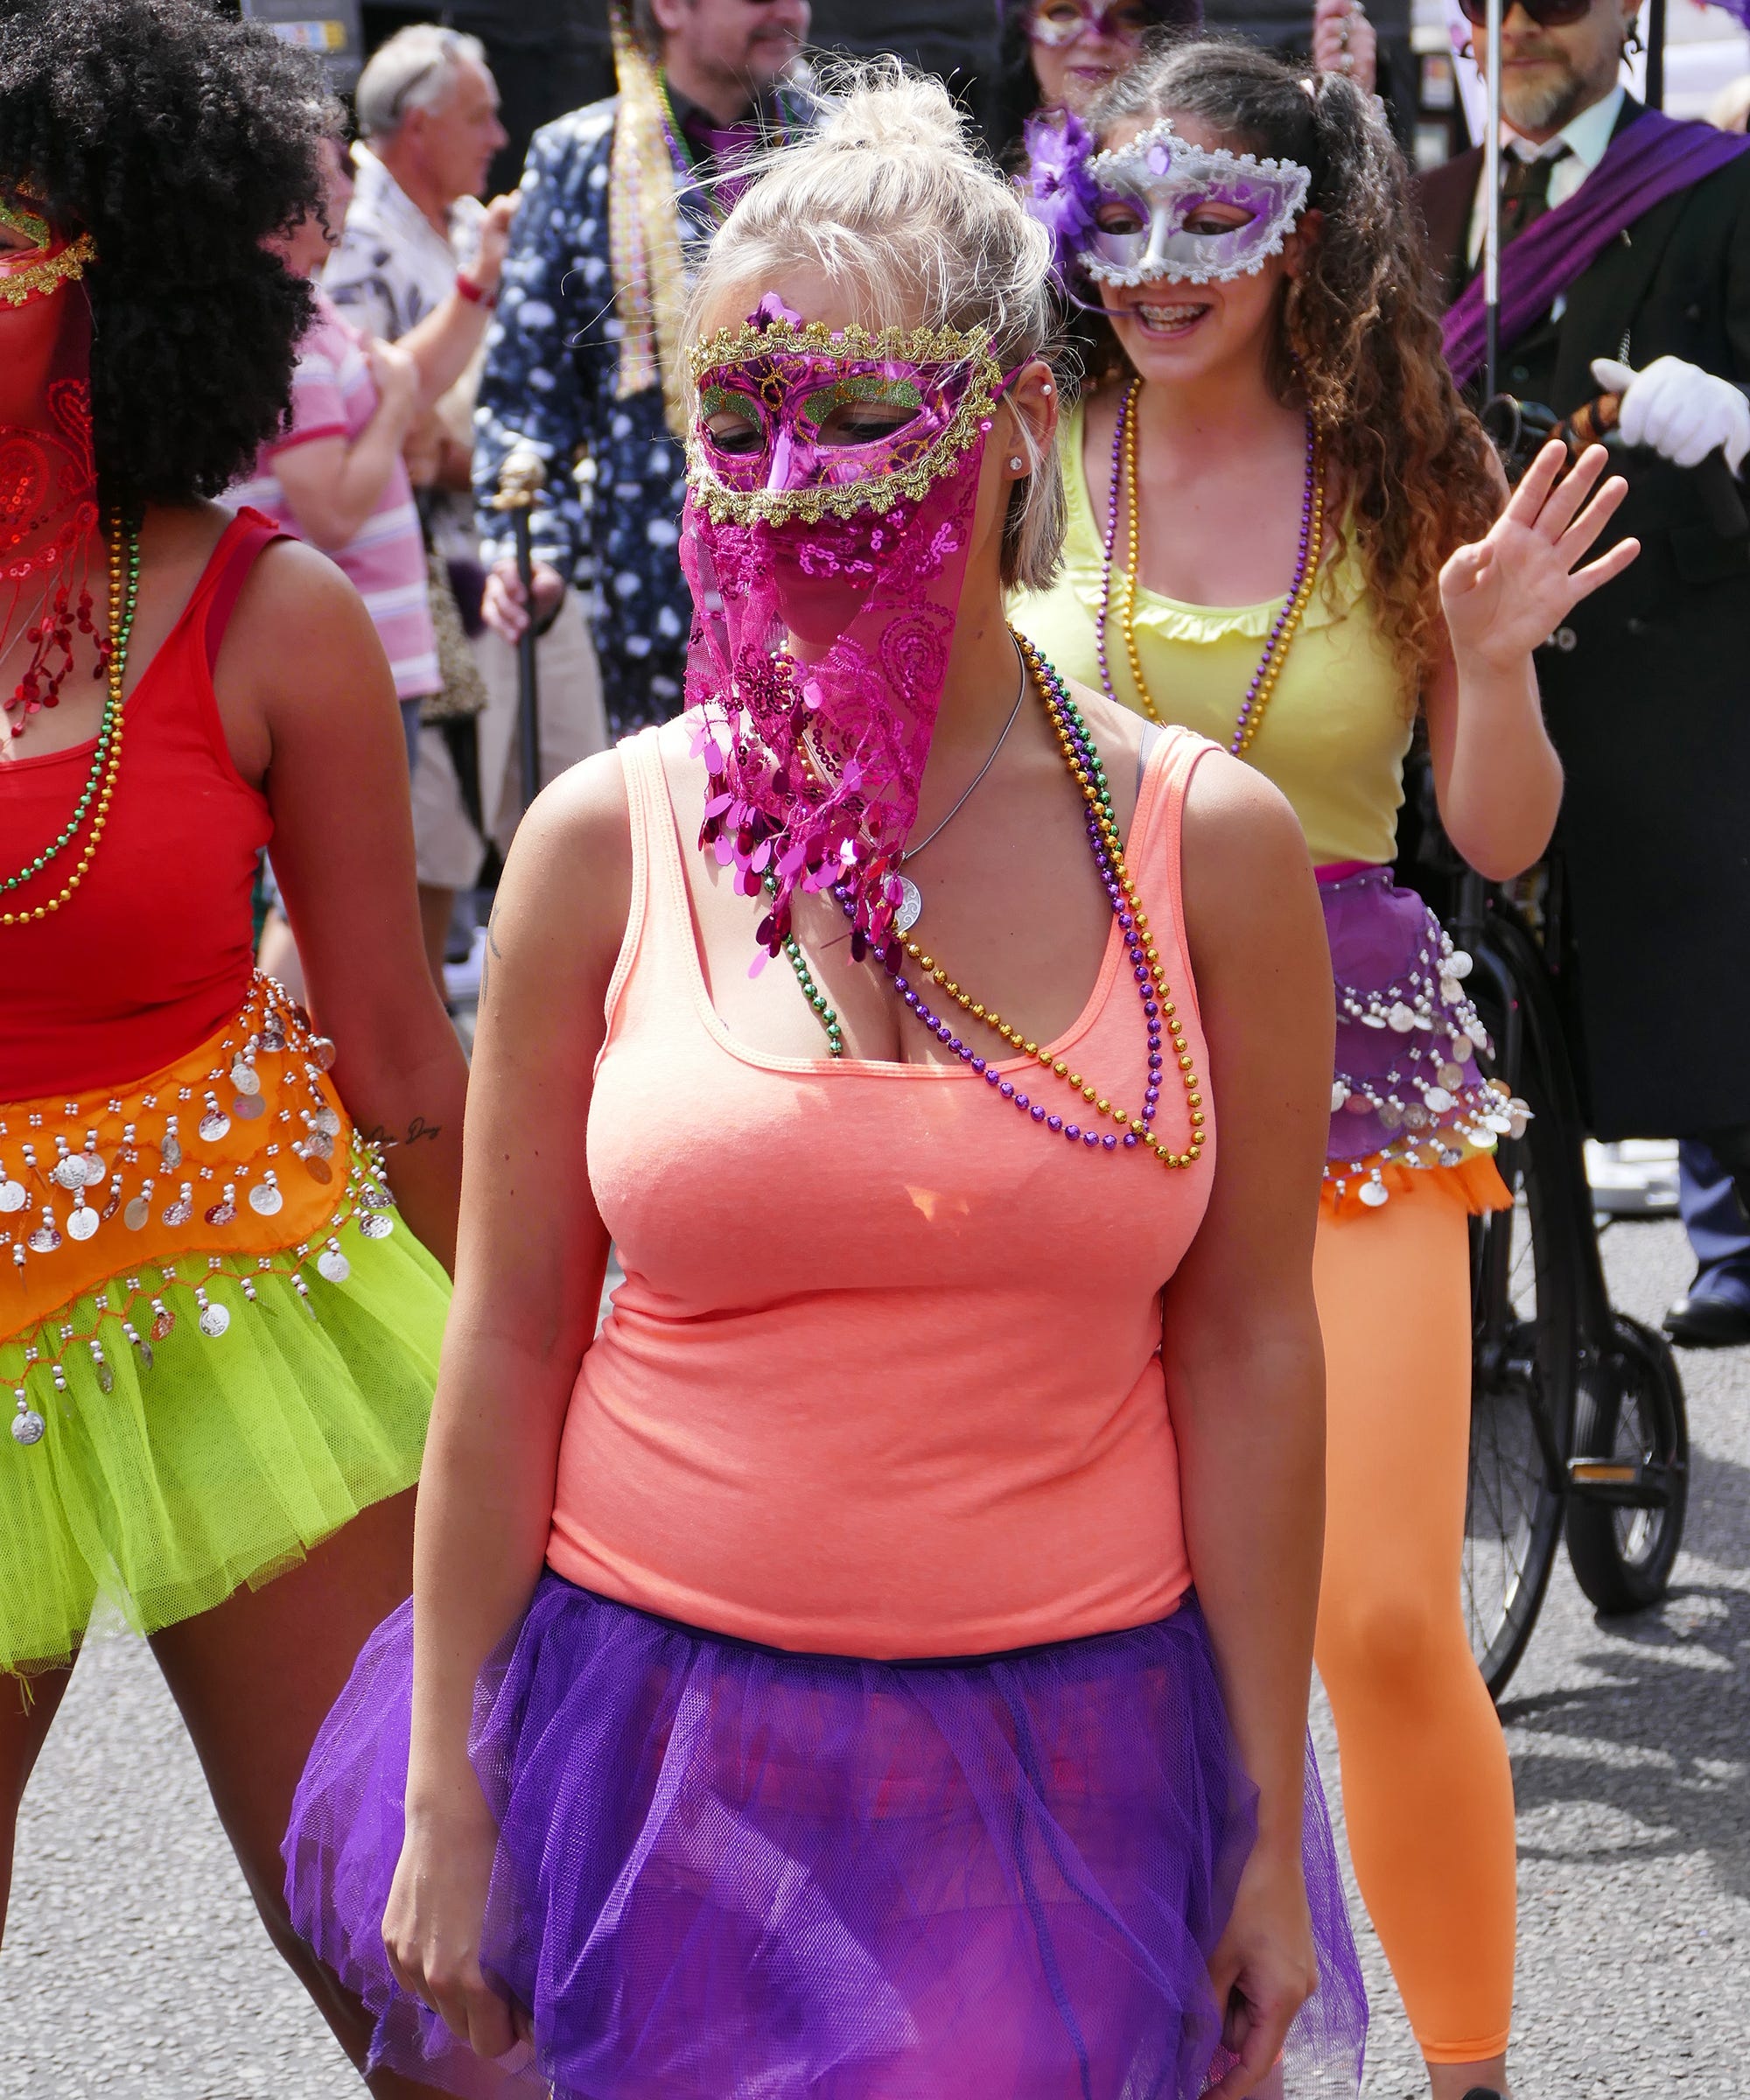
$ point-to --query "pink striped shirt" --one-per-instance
(334, 395)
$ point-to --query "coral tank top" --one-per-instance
(155, 950)
(884, 1378)
(1339, 724)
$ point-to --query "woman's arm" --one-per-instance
(328, 744)
(529, 1278)
(1496, 775)
(333, 484)
(1245, 1365)
(443, 343)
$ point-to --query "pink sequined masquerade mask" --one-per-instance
(832, 477)
(1129, 216)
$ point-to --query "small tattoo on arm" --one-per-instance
(417, 1129)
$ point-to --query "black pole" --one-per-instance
(521, 479)
(1656, 54)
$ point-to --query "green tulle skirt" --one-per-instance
(164, 1487)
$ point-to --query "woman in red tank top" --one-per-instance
(220, 1300)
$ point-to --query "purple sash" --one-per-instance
(1645, 162)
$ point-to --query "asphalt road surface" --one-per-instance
(136, 1968)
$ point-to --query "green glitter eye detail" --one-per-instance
(731, 420)
(861, 387)
(36, 231)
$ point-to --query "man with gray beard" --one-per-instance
(1626, 273)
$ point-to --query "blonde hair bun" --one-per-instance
(893, 202)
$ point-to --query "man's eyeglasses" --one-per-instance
(1058, 23)
(1547, 14)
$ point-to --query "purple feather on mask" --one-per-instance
(1059, 192)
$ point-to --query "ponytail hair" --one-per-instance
(1358, 334)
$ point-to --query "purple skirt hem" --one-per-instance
(725, 1871)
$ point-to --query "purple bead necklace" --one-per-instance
(1160, 1012)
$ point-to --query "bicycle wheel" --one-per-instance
(1631, 1434)
(1524, 1298)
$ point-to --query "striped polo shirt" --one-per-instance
(334, 395)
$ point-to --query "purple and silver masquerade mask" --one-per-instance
(832, 476)
(1160, 207)
(1151, 194)
(1060, 22)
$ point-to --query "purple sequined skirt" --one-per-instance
(1408, 1090)
(726, 1872)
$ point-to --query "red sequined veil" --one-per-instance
(48, 476)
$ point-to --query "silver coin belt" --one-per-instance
(59, 1184)
(1447, 1110)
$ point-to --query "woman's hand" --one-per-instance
(1263, 1970)
(504, 607)
(1343, 41)
(1508, 592)
(431, 1928)
(396, 379)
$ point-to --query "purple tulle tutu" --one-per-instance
(726, 1872)
(1409, 1090)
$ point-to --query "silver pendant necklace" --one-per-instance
(911, 903)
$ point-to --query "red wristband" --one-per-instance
(476, 295)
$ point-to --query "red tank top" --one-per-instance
(154, 951)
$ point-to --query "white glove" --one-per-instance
(1682, 412)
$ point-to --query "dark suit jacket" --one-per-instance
(1645, 685)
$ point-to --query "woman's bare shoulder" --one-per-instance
(559, 917)
(1236, 820)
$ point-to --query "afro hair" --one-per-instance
(178, 138)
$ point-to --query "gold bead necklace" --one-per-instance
(100, 786)
(1125, 496)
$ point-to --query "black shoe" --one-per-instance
(1704, 1321)
(1482, 2092)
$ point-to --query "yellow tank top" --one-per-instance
(1338, 726)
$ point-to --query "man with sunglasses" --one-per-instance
(618, 202)
(1626, 273)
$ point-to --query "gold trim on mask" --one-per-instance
(731, 348)
(64, 266)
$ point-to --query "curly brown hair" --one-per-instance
(1358, 334)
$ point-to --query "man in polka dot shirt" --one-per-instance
(608, 522)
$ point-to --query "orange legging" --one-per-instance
(1427, 1789)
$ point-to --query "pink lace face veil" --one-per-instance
(832, 479)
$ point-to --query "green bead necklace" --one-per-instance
(811, 991)
(125, 591)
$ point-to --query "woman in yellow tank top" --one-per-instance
(1273, 405)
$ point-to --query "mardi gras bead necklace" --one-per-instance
(1160, 1012)
(124, 590)
(690, 167)
(1312, 548)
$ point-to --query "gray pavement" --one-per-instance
(135, 1966)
